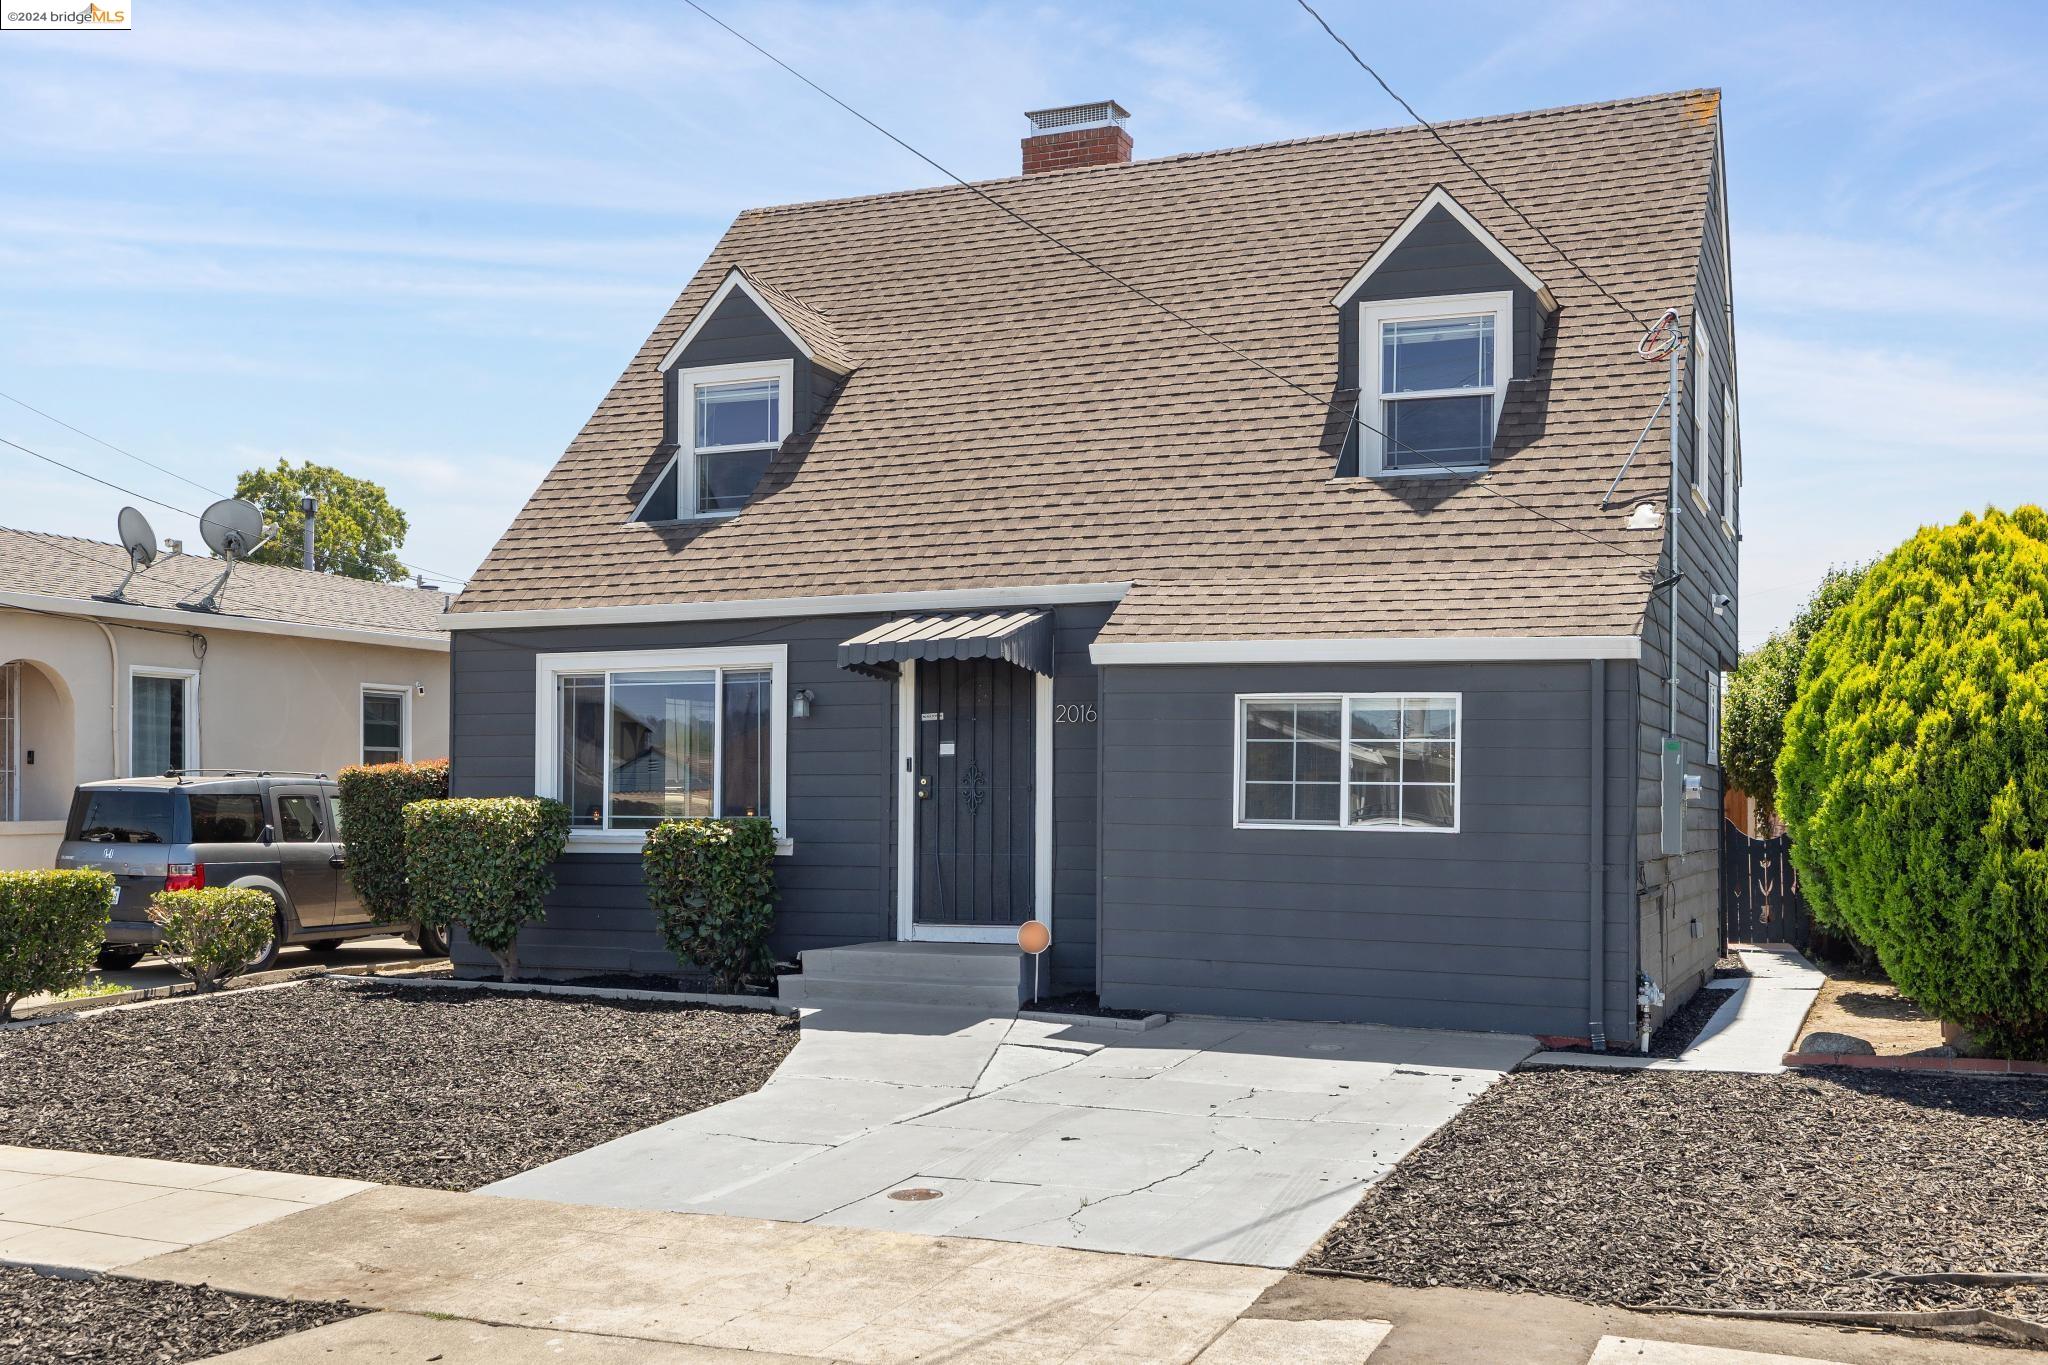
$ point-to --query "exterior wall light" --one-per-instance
(800, 703)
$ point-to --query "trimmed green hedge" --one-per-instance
(51, 927)
(373, 802)
(212, 934)
(1915, 773)
(712, 886)
(486, 864)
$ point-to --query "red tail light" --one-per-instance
(186, 877)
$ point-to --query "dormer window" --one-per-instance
(729, 422)
(1434, 372)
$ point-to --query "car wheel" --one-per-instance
(266, 956)
(120, 959)
(324, 945)
(433, 942)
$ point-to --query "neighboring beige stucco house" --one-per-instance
(295, 671)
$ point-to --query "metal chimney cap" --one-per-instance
(1101, 113)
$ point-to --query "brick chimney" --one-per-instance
(1077, 135)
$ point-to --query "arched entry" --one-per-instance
(37, 739)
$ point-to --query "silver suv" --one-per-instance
(279, 833)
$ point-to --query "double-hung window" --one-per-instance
(628, 741)
(386, 724)
(1702, 410)
(1432, 374)
(1731, 455)
(729, 422)
(1373, 760)
(163, 714)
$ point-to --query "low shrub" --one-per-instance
(51, 927)
(373, 802)
(712, 886)
(486, 864)
(212, 935)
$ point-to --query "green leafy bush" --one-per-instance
(373, 802)
(712, 886)
(212, 934)
(51, 927)
(486, 864)
(1762, 688)
(1914, 776)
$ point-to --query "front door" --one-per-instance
(975, 806)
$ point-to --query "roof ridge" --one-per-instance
(241, 566)
(1305, 140)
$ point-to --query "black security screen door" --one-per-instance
(975, 808)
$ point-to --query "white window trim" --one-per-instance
(1440, 198)
(685, 425)
(1731, 458)
(1715, 693)
(547, 725)
(1372, 454)
(1343, 821)
(404, 695)
(1702, 410)
(190, 677)
(10, 714)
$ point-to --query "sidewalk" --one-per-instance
(1751, 1033)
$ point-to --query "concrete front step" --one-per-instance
(969, 975)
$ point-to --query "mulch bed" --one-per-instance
(402, 1085)
(107, 1321)
(1728, 966)
(1792, 1192)
(1083, 1002)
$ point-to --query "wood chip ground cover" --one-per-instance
(403, 1085)
(1718, 1191)
(109, 1321)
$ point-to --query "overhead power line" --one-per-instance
(1320, 400)
(119, 488)
(1478, 175)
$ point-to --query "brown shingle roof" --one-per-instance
(807, 322)
(1018, 419)
(65, 566)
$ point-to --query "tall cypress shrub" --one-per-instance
(1914, 776)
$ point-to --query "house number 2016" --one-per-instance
(1073, 714)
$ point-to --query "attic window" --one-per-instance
(1434, 372)
(729, 422)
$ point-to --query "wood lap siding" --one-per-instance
(839, 886)
(1483, 929)
(1442, 257)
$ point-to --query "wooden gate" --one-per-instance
(1760, 900)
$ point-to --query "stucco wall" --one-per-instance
(270, 701)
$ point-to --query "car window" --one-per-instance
(298, 819)
(226, 818)
(121, 817)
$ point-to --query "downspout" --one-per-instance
(1596, 855)
(113, 698)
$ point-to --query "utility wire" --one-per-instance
(1319, 400)
(1498, 193)
(118, 488)
(215, 492)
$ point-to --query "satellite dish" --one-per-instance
(140, 543)
(232, 528)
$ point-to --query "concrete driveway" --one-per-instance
(1210, 1139)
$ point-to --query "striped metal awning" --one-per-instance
(1023, 638)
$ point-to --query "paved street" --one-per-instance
(1222, 1140)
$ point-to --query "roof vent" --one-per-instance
(1076, 135)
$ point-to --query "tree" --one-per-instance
(1914, 775)
(356, 530)
(1762, 687)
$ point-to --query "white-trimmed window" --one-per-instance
(729, 422)
(1717, 695)
(1702, 409)
(10, 741)
(163, 720)
(385, 728)
(628, 740)
(1432, 376)
(1731, 455)
(1371, 760)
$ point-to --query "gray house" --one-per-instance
(1303, 669)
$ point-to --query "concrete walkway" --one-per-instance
(1751, 1033)
(1220, 1140)
(81, 1211)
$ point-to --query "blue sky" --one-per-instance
(419, 242)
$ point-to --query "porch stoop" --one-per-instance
(988, 976)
